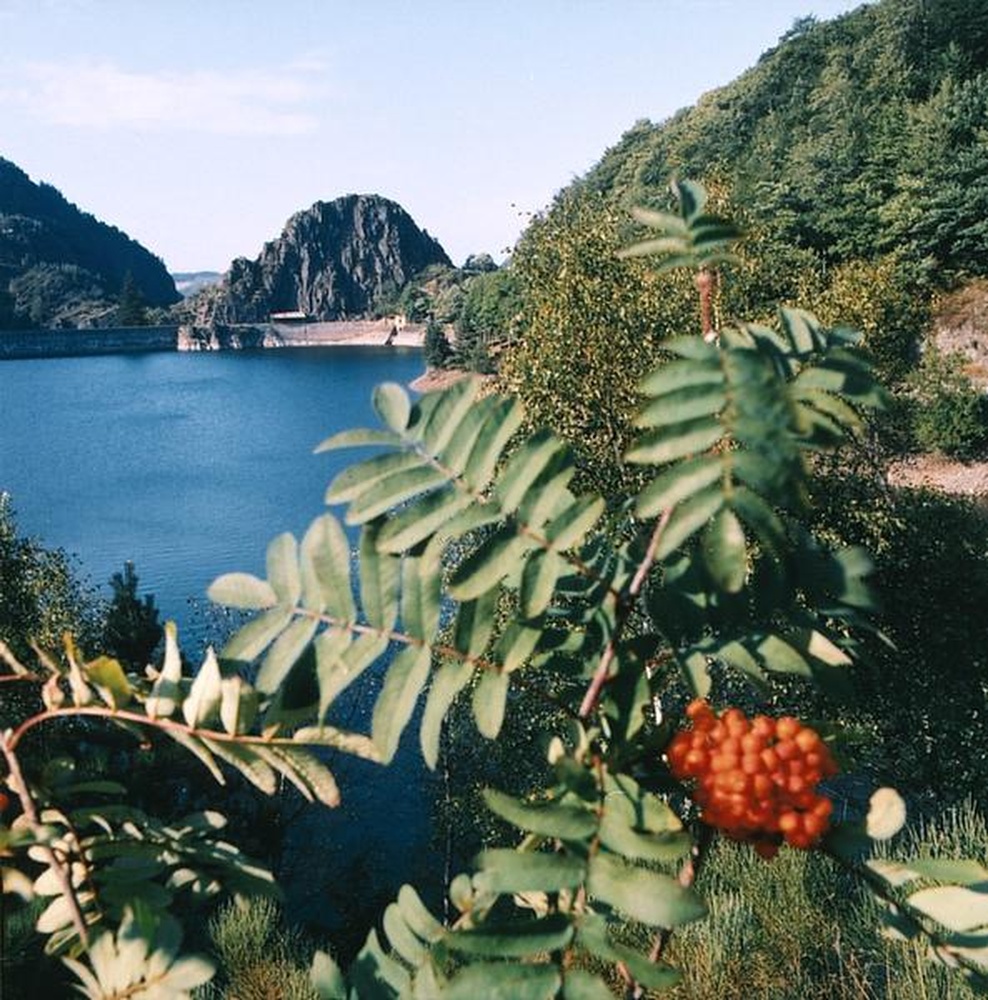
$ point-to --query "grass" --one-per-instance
(800, 928)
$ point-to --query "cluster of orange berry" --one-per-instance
(755, 778)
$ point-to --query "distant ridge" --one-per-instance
(336, 260)
(60, 266)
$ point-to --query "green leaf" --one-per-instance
(284, 654)
(401, 938)
(958, 908)
(474, 624)
(394, 706)
(486, 452)
(593, 936)
(504, 981)
(108, 677)
(339, 662)
(417, 916)
(359, 437)
(247, 762)
(326, 978)
(312, 778)
(652, 898)
(283, 570)
(524, 468)
(325, 557)
(422, 519)
(538, 581)
(490, 697)
(166, 692)
(517, 939)
(355, 480)
(377, 976)
(238, 704)
(487, 565)
(725, 552)
(550, 819)
(666, 444)
(683, 404)
(392, 405)
(684, 480)
(337, 739)
(570, 527)
(195, 747)
(420, 593)
(242, 590)
(393, 490)
(687, 519)
(447, 682)
(580, 985)
(380, 575)
(203, 700)
(963, 871)
(249, 642)
(516, 645)
(447, 415)
(504, 870)
(778, 655)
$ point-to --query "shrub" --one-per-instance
(951, 414)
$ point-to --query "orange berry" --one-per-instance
(787, 727)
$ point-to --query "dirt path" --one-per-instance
(966, 479)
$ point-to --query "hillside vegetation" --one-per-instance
(852, 138)
(61, 266)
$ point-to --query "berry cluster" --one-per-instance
(755, 778)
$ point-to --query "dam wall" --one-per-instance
(75, 343)
(145, 339)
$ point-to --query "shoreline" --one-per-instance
(19, 345)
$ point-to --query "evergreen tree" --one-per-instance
(131, 310)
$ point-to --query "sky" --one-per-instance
(199, 126)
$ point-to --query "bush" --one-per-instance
(951, 413)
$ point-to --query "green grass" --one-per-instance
(800, 928)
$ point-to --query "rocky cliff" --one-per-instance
(337, 260)
(60, 265)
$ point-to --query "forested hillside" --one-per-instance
(853, 155)
(62, 266)
(852, 138)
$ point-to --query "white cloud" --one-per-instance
(101, 95)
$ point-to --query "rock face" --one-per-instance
(336, 260)
(61, 266)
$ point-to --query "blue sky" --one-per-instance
(199, 126)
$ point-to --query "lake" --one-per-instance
(185, 463)
(188, 464)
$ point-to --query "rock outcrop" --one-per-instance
(60, 265)
(341, 259)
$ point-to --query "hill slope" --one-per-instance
(336, 260)
(850, 138)
(59, 265)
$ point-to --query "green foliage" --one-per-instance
(131, 307)
(888, 301)
(851, 138)
(480, 572)
(951, 414)
(436, 346)
(132, 629)
(919, 703)
(592, 326)
(258, 957)
(40, 597)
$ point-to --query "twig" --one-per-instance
(627, 600)
(62, 872)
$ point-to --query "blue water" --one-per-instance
(188, 464)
